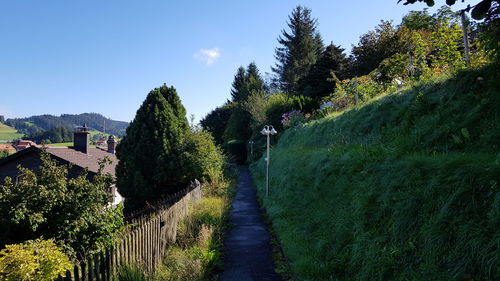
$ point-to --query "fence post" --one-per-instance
(77, 274)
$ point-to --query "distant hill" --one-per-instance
(8, 133)
(40, 123)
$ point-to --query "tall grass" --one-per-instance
(196, 254)
(405, 187)
(198, 250)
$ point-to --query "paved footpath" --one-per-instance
(247, 246)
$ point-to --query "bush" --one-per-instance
(203, 160)
(217, 120)
(47, 204)
(34, 260)
(237, 151)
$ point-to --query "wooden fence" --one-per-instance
(144, 242)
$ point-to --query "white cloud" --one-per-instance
(208, 56)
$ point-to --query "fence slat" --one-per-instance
(90, 269)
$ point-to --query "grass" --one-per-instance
(8, 133)
(405, 187)
(197, 253)
(198, 250)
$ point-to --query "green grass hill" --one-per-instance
(8, 133)
(404, 187)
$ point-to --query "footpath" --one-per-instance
(247, 246)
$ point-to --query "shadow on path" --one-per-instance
(247, 246)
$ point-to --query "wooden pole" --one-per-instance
(466, 39)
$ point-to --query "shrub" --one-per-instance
(47, 204)
(293, 118)
(203, 160)
(37, 260)
(237, 151)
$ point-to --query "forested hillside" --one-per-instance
(40, 123)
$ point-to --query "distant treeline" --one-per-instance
(54, 135)
(36, 125)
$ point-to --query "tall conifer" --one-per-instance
(150, 165)
(299, 49)
(321, 80)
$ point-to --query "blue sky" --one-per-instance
(106, 55)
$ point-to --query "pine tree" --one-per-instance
(330, 68)
(238, 86)
(245, 82)
(254, 82)
(299, 49)
(150, 165)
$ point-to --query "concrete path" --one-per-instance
(247, 246)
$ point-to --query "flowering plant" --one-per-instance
(293, 118)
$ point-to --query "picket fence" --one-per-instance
(144, 242)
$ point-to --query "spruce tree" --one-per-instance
(254, 82)
(299, 49)
(238, 86)
(321, 80)
(150, 164)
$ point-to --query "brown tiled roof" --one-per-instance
(89, 160)
(8, 147)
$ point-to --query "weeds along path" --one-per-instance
(247, 246)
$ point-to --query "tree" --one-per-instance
(416, 20)
(239, 83)
(299, 49)
(323, 76)
(374, 47)
(245, 82)
(478, 11)
(70, 210)
(445, 40)
(150, 165)
(34, 260)
(254, 81)
(217, 120)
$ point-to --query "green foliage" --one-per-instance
(217, 120)
(34, 260)
(238, 126)
(237, 151)
(4, 153)
(299, 49)
(149, 154)
(197, 252)
(321, 79)
(53, 135)
(373, 47)
(490, 32)
(71, 211)
(385, 192)
(445, 53)
(246, 82)
(40, 123)
(132, 272)
(203, 160)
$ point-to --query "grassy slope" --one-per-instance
(8, 133)
(405, 187)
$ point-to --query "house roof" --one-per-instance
(90, 160)
(69, 155)
(8, 147)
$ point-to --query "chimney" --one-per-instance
(81, 139)
(111, 144)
